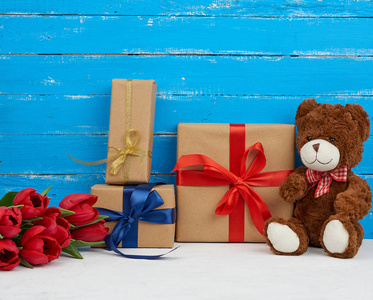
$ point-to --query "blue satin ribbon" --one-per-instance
(139, 204)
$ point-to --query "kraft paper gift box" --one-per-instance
(141, 234)
(131, 131)
(225, 144)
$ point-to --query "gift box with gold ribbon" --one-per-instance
(228, 177)
(130, 131)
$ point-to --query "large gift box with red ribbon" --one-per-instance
(139, 215)
(130, 131)
(228, 177)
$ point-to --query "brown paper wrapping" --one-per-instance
(132, 107)
(196, 218)
(149, 235)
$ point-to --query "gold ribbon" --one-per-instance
(119, 159)
(130, 149)
(127, 127)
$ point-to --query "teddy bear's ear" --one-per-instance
(359, 114)
(305, 107)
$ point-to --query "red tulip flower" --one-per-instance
(10, 221)
(90, 233)
(81, 204)
(38, 248)
(33, 203)
(55, 226)
(9, 255)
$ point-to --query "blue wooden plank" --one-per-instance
(89, 114)
(281, 8)
(62, 185)
(188, 75)
(61, 114)
(46, 154)
(161, 35)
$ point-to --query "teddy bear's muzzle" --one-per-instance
(320, 155)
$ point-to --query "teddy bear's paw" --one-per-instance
(341, 238)
(291, 194)
(293, 188)
(282, 238)
(286, 237)
(335, 238)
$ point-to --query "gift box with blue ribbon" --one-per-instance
(139, 215)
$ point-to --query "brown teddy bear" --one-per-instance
(330, 198)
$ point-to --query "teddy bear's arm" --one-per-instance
(294, 186)
(355, 202)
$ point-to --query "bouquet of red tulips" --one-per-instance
(31, 233)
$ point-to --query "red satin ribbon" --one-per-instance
(236, 150)
(214, 174)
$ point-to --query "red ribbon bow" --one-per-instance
(325, 179)
(214, 174)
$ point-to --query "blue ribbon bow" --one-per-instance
(139, 204)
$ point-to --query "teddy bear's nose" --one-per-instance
(316, 147)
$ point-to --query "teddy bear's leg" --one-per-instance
(340, 237)
(286, 237)
(360, 233)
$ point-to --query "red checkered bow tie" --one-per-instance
(325, 179)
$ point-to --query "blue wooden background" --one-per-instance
(214, 61)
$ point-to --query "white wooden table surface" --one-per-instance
(197, 271)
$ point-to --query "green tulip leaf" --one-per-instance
(26, 264)
(7, 199)
(43, 193)
(1, 237)
(65, 213)
(71, 249)
(78, 243)
(99, 218)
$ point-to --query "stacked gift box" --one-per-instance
(227, 176)
(140, 214)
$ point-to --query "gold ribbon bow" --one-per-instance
(130, 149)
(119, 159)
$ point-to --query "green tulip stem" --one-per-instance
(18, 206)
(99, 218)
(35, 219)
